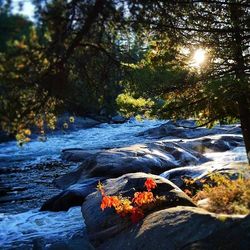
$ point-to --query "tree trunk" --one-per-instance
(244, 111)
(243, 99)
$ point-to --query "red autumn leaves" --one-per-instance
(124, 206)
(150, 184)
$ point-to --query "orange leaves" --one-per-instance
(142, 198)
(124, 206)
(110, 201)
(150, 184)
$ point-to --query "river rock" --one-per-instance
(148, 158)
(172, 129)
(174, 159)
(77, 154)
(78, 123)
(214, 143)
(176, 225)
(186, 129)
(74, 195)
(203, 172)
(182, 228)
(103, 225)
(118, 119)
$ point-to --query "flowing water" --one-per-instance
(26, 182)
(26, 176)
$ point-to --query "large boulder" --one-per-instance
(174, 130)
(152, 158)
(148, 158)
(176, 224)
(103, 225)
(183, 228)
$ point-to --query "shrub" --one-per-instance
(226, 195)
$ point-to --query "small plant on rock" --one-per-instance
(224, 194)
(135, 207)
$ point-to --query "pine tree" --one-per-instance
(222, 89)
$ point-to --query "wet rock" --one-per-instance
(186, 123)
(186, 129)
(183, 228)
(177, 175)
(214, 143)
(203, 172)
(103, 225)
(235, 129)
(118, 119)
(70, 197)
(172, 129)
(77, 154)
(174, 159)
(148, 158)
(64, 201)
(78, 123)
(80, 243)
(196, 172)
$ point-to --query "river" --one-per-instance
(26, 181)
(26, 176)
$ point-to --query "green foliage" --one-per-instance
(12, 28)
(130, 106)
(158, 76)
(158, 72)
(92, 85)
(23, 103)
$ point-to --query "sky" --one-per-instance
(27, 10)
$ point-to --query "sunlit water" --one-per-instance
(102, 136)
(19, 229)
(235, 155)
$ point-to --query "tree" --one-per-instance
(69, 57)
(84, 54)
(222, 88)
(22, 103)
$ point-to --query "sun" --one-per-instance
(198, 57)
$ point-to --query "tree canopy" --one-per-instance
(132, 55)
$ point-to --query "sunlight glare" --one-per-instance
(199, 57)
